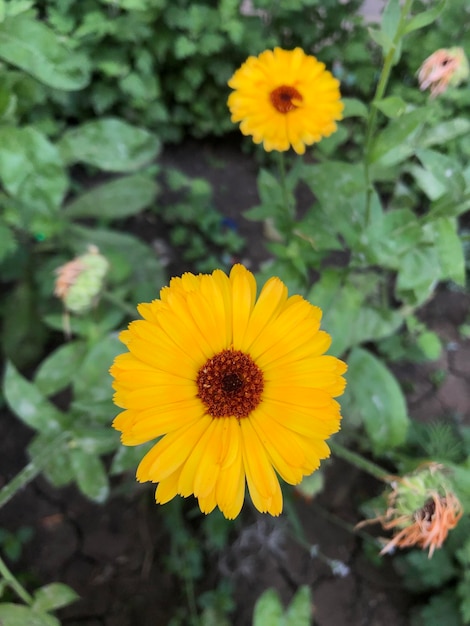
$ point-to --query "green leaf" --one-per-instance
(445, 170)
(430, 344)
(116, 199)
(393, 106)
(32, 171)
(450, 250)
(390, 22)
(354, 108)
(422, 573)
(17, 615)
(58, 469)
(398, 140)
(425, 18)
(346, 315)
(440, 134)
(419, 271)
(58, 369)
(299, 612)
(53, 596)
(268, 610)
(92, 380)
(127, 458)
(8, 240)
(29, 44)
(27, 402)
(95, 440)
(441, 610)
(109, 144)
(374, 395)
(90, 474)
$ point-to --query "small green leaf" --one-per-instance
(354, 108)
(374, 395)
(116, 199)
(393, 106)
(53, 596)
(390, 22)
(268, 609)
(430, 344)
(17, 615)
(299, 612)
(90, 474)
(109, 144)
(440, 134)
(27, 402)
(425, 18)
(58, 470)
(58, 369)
(29, 44)
(92, 380)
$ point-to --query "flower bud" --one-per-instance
(446, 66)
(80, 281)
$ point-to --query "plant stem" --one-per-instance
(379, 92)
(359, 461)
(33, 469)
(283, 181)
(12, 582)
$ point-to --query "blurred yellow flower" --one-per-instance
(285, 98)
(237, 387)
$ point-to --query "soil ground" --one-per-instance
(114, 555)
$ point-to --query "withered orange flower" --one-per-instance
(428, 527)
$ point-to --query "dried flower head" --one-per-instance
(80, 281)
(447, 66)
(421, 510)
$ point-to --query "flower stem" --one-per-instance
(13, 583)
(283, 182)
(379, 92)
(359, 461)
(32, 469)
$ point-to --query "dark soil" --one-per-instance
(114, 555)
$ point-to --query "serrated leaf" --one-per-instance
(116, 199)
(29, 44)
(90, 475)
(17, 615)
(374, 395)
(109, 144)
(27, 402)
(58, 369)
(268, 610)
(53, 596)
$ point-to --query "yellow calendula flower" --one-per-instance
(237, 387)
(285, 98)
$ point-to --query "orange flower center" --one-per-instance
(230, 384)
(281, 98)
